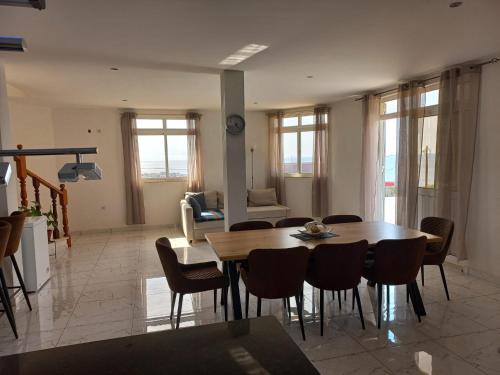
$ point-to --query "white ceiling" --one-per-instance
(168, 50)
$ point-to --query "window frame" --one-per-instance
(298, 129)
(165, 132)
(426, 111)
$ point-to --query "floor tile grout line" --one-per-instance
(79, 297)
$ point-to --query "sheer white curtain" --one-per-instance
(372, 183)
(411, 107)
(276, 177)
(456, 140)
(320, 205)
(132, 168)
(195, 166)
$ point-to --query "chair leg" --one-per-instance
(6, 304)
(224, 296)
(299, 310)
(173, 305)
(444, 281)
(289, 308)
(353, 296)
(387, 295)
(340, 300)
(333, 295)
(259, 306)
(225, 272)
(21, 281)
(422, 274)
(179, 310)
(215, 300)
(345, 294)
(247, 298)
(355, 293)
(412, 287)
(379, 302)
(407, 294)
(321, 309)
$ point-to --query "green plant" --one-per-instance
(51, 219)
(34, 210)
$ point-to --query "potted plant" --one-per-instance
(51, 223)
(34, 210)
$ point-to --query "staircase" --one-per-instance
(57, 194)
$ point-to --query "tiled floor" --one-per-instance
(112, 285)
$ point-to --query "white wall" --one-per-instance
(484, 222)
(32, 126)
(93, 204)
(346, 154)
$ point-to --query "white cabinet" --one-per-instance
(36, 263)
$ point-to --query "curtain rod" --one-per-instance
(490, 61)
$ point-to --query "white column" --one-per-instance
(235, 195)
(8, 195)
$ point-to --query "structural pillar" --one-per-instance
(235, 194)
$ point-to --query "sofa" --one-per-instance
(261, 205)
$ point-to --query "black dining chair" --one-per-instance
(293, 222)
(341, 219)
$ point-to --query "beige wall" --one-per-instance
(32, 126)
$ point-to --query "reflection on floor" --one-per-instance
(112, 285)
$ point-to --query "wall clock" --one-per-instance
(235, 124)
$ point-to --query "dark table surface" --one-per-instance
(249, 346)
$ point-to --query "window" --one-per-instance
(389, 130)
(162, 147)
(298, 144)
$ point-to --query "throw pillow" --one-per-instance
(262, 197)
(200, 198)
(195, 206)
(211, 199)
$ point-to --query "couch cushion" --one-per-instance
(211, 199)
(220, 199)
(262, 197)
(263, 212)
(210, 215)
(209, 225)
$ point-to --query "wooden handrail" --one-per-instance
(45, 183)
(55, 192)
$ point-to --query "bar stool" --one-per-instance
(16, 220)
(5, 229)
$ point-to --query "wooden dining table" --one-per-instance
(234, 247)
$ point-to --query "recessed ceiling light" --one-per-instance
(243, 54)
(255, 103)
(309, 76)
(455, 4)
(114, 68)
(124, 100)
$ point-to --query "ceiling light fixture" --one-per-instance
(12, 44)
(309, 77)
(37, 4)
(124, 100)
(455, 4)
(114, 68)
(243, 54)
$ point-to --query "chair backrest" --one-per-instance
(170, 264)
(277, 273)
(16, 220)
(251, 225)
(340, 219)
(5, 229)
(337, 266)
(397, 262)
(441, 227)
(293, 222)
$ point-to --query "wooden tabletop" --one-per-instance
(237, 245)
